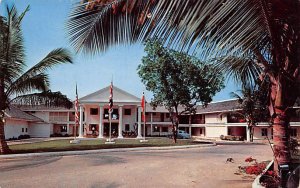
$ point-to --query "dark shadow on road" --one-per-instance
(26, 163)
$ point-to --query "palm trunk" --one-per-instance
(4, 149)
(281, 138)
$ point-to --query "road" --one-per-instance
(197, 167)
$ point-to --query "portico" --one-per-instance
(94, 116)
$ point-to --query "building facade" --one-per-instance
(217, 119)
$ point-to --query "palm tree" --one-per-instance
(249, 35)
(18, 86)
(253, 103)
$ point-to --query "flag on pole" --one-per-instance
(143, 106)
(111, 97)
(76, 111)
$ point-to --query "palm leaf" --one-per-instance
(24, 85)
(11, 48)
(46, 98)
(35, 77)
(242, 69)
(107, 24)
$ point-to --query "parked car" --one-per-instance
(180, 135)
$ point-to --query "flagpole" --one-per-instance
(109, 139)
(144, 114)
(144, 117)
(75, 113)
(76, 120)
(110, 110)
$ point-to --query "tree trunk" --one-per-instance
(251, 129)
(4, 149)
(281, 138)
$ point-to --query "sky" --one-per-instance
(44, 30)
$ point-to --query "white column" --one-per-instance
(80, 121)
(100, 121)
(151, 120)
(120, 121)
(248, 133)
(190, 125)
(139, 122)
(68, 125)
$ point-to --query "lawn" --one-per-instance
(64, 145)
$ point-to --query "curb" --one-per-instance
(83, 152)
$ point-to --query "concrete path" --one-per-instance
(193, 167)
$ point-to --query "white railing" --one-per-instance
(58, 118)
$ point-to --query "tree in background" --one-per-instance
(18, 86)
(253, 103)
(178, 81)
(266, 31)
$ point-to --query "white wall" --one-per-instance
(13, 128)
(215, 118)
(91, 119)
(215, 131)
(129, 119)
(257, 133)
(39, 129)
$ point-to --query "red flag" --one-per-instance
(110, 102)
(143, 107)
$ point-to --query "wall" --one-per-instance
(43, 115)
(257, 133)
(91, 119)
(13, 128)
(129, 119)
(39, 129)
(215, 131)
(215, 118)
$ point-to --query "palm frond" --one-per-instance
(55, 57)
(47, 98)
(242, 69)
(11, 45)
(106, 24)
(25, 85)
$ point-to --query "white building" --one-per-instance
(211, 122)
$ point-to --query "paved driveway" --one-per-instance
(198, 167)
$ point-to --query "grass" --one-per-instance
(64, 145)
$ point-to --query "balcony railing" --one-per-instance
(58, 118)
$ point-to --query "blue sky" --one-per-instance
(44, 30)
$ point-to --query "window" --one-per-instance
(293, 132)
(26, 130)
(264, 132)
(146, 113)
(164, 129)
(73, 113)
(167, 115)
(63, 128)
(127, 112)
(156, 129)
(94, 111)
(154, 113)
(162, 117)
(126, 127)
(22, 130)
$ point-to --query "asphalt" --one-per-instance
(85, 152)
